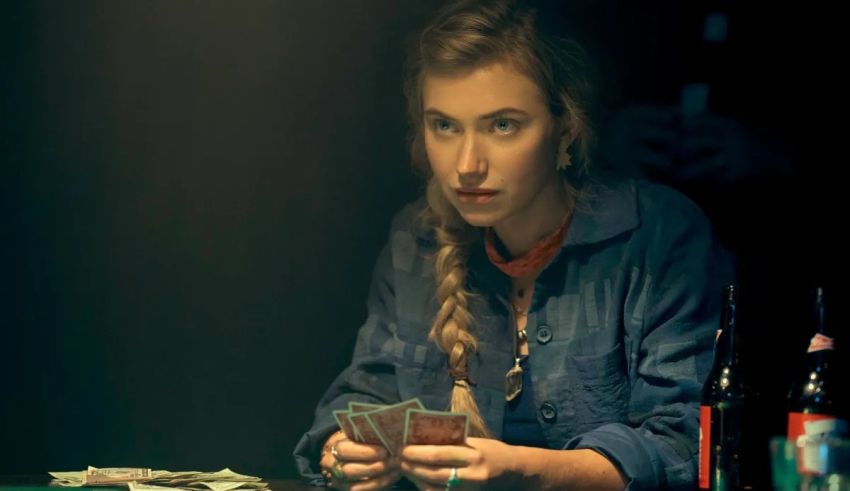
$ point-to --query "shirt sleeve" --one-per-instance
(370, 377)
(671, 351)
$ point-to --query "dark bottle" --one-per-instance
(817, 401)
(723, 428)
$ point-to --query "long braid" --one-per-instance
(450, 329)
(467, 34)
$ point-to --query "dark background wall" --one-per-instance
(194, 192)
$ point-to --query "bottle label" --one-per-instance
(704, 446)
(820, 342)
(809, 432)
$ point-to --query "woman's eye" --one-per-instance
(501, 126)
(505, 125)
(441, 125)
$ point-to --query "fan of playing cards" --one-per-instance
(405, 423)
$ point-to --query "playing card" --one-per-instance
(343, 417)
(365, 431)
(389, 423)
(424, 427)
(362, 407)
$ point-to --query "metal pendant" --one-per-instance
(513, 381)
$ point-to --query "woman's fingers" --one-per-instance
(429, 474)
(350, 451)
(439, 455)
(355, 471)
(381, 482)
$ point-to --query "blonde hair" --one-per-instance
(462, 36)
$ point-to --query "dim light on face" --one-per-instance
(491, 143)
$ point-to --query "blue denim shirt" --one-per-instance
(620, 331)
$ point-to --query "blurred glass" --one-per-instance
(833, 455)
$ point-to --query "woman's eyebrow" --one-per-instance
(436, 112)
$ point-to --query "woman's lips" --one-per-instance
(475, 195)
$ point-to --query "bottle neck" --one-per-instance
(822, 345)
(728, 344)
(821, 349)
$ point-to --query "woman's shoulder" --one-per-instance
(647, 195)
(659, 200)
(668, 227)
(668, 217)
(644, 209)
(675, 230)
(650, 199)
(410, 241)
(411, 220)
(611, 206)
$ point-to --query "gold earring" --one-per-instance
(563, 155)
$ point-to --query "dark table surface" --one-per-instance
(32, 482)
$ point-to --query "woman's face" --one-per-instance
(491, 144)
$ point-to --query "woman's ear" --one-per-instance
(562, 130)
(567, 135)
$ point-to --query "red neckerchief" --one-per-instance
(533, 260)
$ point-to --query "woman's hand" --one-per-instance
(358, 466)
(480, 462)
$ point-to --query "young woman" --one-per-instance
(571, 316)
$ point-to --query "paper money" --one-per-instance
(112, 475)
(68, 476)
(147, 480)
(139, 486)
(221, 485)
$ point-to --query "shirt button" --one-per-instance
(544, 334)
(549, 412)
